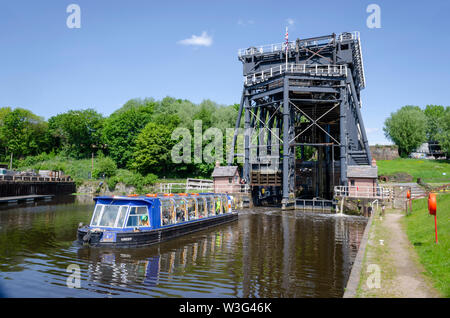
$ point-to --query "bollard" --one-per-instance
(432, 209)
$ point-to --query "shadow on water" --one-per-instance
(266, 253)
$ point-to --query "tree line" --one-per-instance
(411, 126)
(136, 136)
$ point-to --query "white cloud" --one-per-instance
(372, 130)
(245, 22)
(202, 40)
(290, 21)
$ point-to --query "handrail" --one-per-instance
(277, 47)
(33, 178)
(376, 192)
(309, 69)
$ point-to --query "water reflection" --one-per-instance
(266, 253)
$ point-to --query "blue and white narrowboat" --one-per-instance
(129, 221)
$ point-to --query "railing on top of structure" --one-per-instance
(275, 48)
(309, 69)
(375, 192)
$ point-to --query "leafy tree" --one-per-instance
(22, 132)
(152, 152)
(406, 128)
(123, 126)
(433, 114)
(77, 132)
(443, 137)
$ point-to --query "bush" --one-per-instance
(130, 178)
(104, 166)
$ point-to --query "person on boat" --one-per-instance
(180, 214)
(218, 206)
(144, 220)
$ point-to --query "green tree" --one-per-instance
(443, 137)
(22, 132)
(434, 114)
(104, 167)
(77, 132)
(406, 128)
(123, 126)
(152, 153)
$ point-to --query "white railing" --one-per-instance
(275, 48)
(309, 69)
(375, 192)
(34, 178)
(182, 187)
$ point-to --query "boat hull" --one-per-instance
(145, 238)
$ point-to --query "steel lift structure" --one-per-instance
(299, 96)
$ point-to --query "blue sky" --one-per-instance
(129, 49)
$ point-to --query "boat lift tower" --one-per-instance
(299, 96)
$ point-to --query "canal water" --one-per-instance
(266, 253)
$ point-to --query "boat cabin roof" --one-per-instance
(150, 199)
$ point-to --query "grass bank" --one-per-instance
(420, 230)
(430, 171)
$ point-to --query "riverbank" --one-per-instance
(391, 267)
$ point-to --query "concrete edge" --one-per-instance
(355, 274)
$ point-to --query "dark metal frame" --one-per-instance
(310, 109)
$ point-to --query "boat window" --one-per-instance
(218, 205)
(191, 209)
(180, 210)
(201, 206)
(138, 216)
(96, 215)
(211, 206)
(167, 212)
(121, 216)
(224, 204)
(109, 215)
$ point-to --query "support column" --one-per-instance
(246, 141)
(286, 148)
(343, 132)
(236, 130)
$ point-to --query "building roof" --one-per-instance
(362, 172)
(225, 171)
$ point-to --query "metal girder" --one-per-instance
(314, 122)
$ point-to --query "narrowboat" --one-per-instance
(131, 221)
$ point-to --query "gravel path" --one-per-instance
(401, 273)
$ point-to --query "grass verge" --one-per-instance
(437, 171)
(420, 231)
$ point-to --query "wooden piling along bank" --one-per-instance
(28, 185)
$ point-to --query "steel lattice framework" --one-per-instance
(308, 91)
